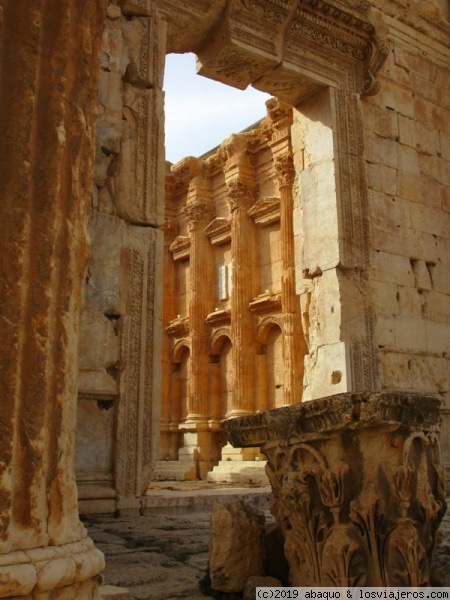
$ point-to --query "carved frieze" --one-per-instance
(358, 487)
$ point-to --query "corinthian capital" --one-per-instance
(284, 167)
(198, 212)
(239, 195)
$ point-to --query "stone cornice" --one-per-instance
(178, 327)
(266, 303)
(180, 247)
(219, 231)
(219, 317)
(265, 211)
(343, 411)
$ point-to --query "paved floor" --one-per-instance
(163, 553)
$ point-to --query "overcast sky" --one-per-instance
(201, 113)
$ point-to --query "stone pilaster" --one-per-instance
(48, 85)
(359, 490)
(168, 402)
(199, 214)
(242, 244)
(294, 345)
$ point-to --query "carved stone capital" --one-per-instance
(238, 195)
(198, 213)
(284, 167)
(358, 485)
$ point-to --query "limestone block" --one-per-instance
(94, 439)
(236, 546)
(384, 331)
(407, 131)
(103, 289)
(392, 268)
(137, 185)
(254, 582)
(328, 371)
(99, 345)
(409, 302)
(411, 334)
(430, 220)
(114, 57)
(389, 210)
(438, 336)
(382, 178)
(396, 97)
(382, 122)
(385, 298)
(441, 278)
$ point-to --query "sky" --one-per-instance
(200, 112)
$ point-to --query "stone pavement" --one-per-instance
(162, 554)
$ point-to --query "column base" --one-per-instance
(67, 572)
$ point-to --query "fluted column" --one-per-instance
(199, 214)
(294, 345)
(242, 245)
(167, 398)
(48, 95)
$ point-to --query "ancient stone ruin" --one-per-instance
(358, 483)
(82, 176)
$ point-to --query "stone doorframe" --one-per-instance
(292, 49)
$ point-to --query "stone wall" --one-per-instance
(119, 377)
(407, 154)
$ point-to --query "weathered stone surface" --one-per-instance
(358, 484)
(48, 85)
(236, 546)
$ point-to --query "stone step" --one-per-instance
(174, 470)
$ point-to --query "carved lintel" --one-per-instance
(358, 485)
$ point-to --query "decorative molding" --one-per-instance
(219, 231)
(265, 211)
(219, 317)
(178, 327)
(264, 303)
(351, 516)
(181, 247)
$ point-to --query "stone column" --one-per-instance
(168, 396)
(199, 213)
(359, 490)
(48, 95)
(294, 344)
(240, 197)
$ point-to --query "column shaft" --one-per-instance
(48, 95)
